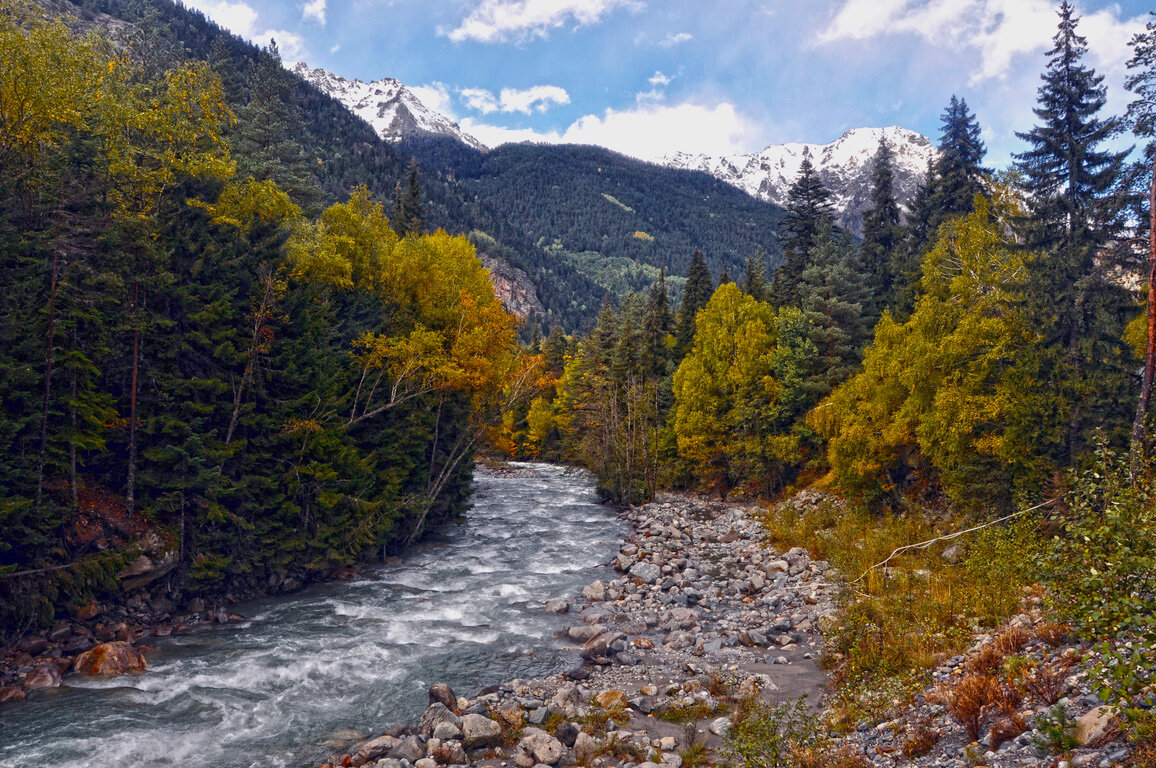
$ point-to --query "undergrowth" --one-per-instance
(896, 622)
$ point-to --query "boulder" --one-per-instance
(511, 715)
(447, 732)
(1095, 724)
(437, 714)
(585, 747)
(539, 748)
(409, 749)
(12, 693)
(557, 606)
(113, 658)
(373, 750)
(611, 699)
(648, 572)
(567, 733)
(584, 632)
(443, 694)
(596, 592)
(44, 676)
(480, 731)
(603, 645)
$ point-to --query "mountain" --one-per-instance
(617, 220)
(844, 166)
(391, 109)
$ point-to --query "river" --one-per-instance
(464, 607)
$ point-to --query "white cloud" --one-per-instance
(335, 48)
(436, 96)
(1000, 30)
(499, 21)
(235, 17)
(659, 79)
(672, 40)
(647, 132)
(314, 9)
(527, 100)
(480, 100)
(241, 19)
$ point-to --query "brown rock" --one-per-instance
(511, 715)
(611, 699)
(87, 611)
(12, 693)
(443, 694)
(44, 676)
(113, 658)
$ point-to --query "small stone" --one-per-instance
(720, 726)
(446, 732)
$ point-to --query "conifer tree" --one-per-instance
(958, 173)
(1069, 175)
(917, 235)
(695, 295)
(1141, 117)
(408, 209)
(655, 327)
(725, 276)
(809, 210)
(755, 277)
(881, 226)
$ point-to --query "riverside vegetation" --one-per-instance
(221, 377)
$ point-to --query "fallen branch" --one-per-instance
(947, 537)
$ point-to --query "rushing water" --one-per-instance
(464, 608)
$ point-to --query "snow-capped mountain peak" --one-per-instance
(392, 110)
(844, 165)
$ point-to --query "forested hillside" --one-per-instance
(618, 220)
(989, 360)
(214, 377)
(328, 150)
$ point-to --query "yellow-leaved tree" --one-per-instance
(952, 395)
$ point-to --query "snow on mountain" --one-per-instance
(392, 110)
(844, 166)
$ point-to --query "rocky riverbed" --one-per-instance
(696, 611)
(699, 614)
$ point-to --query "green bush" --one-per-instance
(769, 736)
(1102, 571)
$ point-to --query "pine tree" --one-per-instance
(917, 235)
(881, 226)
(755, 276)
(958, 173)
(408, 209)
(695, 295)
(725, 276)
(655, 328)
(1141, 117)
(1069, 175)
(809, 210)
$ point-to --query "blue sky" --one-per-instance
(650, 77)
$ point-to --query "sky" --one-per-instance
(653, 77)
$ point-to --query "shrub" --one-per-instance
(1102, 571)
(769, 736)
(967, 700)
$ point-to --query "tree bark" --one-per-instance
(1139, 433)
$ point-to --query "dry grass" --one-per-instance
(1045, 683)
(898, 622)
(968, 700)
(1007, 728)
(920, 739)
(829, 757)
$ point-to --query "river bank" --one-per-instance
(695, 613)
(698, 619)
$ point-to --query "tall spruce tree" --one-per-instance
(1141, 118)
(917, 235)
(881, 225)
(695, 295)
(408, 209)
(1069, 175)
(958, 173)
(755, 276)
(809, 212)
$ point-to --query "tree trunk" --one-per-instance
(1139, 435)
(49, 363)
(130, 483)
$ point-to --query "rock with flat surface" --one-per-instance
(480, 731)
(115, 658)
